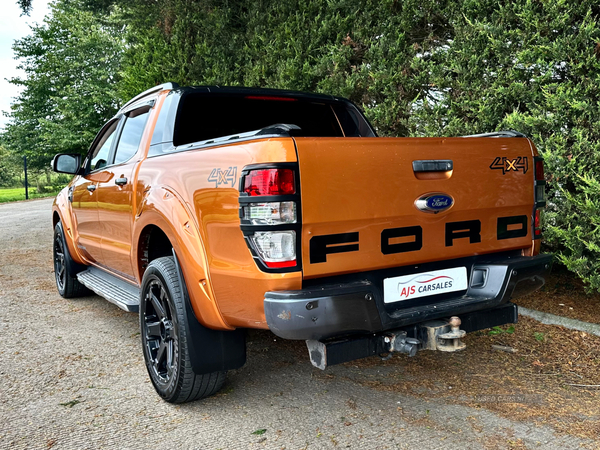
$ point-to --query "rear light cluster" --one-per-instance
(539, 196)
(269, 215)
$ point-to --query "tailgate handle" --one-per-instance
(433, 165)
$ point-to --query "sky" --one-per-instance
(14, 26)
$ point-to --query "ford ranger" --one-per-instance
(211, 210)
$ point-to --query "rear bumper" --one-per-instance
(357, 307)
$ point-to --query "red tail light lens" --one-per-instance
(539, 169)
(537, 223)
(270, 182)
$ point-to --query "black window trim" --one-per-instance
(138, 109)
(88, 159)
(121, 117)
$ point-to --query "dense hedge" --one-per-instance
(417, 67)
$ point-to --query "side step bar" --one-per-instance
(113, 289)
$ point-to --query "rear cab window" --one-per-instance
(203, 116)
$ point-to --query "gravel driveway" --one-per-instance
(73, 378)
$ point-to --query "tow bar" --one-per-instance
(436, 335)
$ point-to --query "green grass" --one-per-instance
(16, 194)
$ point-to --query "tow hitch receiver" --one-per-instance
(442, 335)
(323, 354)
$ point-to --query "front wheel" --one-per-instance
(165, 336)
(68, 286)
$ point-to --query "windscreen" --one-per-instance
(202, 117)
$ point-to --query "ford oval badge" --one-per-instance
(434, 203)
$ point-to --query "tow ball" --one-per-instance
(444, 336)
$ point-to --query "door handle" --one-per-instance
(91, 187)
(121, 181)
(433, 165)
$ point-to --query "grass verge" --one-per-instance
(18, 194)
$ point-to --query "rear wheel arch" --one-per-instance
(170, 215)
(153, 243)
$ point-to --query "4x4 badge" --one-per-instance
(507, 165)
(434, 203)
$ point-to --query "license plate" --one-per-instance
(424, 284)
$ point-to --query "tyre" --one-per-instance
(68, 286)
(165, 336)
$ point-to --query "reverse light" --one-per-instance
(270, 182)
(540, 193)
(275, 248)
(270, 213)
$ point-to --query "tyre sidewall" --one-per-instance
(58, 230)
(167, 390)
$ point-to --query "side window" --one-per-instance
(100, 154)
(131, 135)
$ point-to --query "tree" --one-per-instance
(71, 63)
(9, 168)
(377, 53)
(25, 6)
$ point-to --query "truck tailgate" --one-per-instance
(359, 196)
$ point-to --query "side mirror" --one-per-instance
(64, 163)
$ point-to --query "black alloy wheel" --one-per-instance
(60, 267)
(165, 337)
(68, 286)
(161, 332)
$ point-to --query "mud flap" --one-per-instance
(211, 350)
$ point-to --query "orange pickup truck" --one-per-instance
(211, 210)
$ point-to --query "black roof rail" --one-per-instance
(507, 133)
(152, 90)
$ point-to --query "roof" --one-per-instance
(231, 90)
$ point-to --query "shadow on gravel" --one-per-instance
(553, 378)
